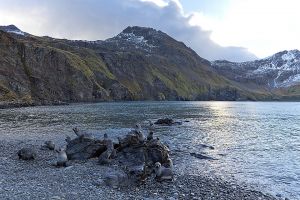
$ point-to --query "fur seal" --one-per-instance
(68, 139)
(62, 158)
(80, 134)
(49, 145)
(150, 136)
(162, 173)
(27, 154)
(169, 163)
(138, 128)
(151, 126)
(139, 133)
(110, 152)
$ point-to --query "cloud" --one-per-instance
(101, 19)
(265, 27)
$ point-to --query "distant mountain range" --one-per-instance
(279, 74)
(137, 64)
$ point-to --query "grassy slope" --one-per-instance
(187, 81)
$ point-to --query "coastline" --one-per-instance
(38, 179)
(20, 104)
(17, 104)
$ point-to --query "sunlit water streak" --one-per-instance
(257, 143)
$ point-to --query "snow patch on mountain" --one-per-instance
(131, 38)
(12, 29)
(288, 56)
(17, 32)
(279, 70)
(292, 80)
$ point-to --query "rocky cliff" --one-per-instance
(137, 64)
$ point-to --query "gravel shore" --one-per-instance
(38, 179)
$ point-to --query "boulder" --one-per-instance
(27, 154)
(82, 148)
(131, 139)
(133, 160)
(139, 159)
(167, 121)
(156, 152)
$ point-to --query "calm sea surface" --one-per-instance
(257, 143)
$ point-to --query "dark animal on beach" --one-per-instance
(27, 154)
(49, 145)
(150, 136)
(162, 173)
(62, 158)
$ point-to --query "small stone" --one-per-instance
(56, 198)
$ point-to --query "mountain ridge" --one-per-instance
(140, 63)
(281, 70)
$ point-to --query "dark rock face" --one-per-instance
(138, 64)
(131, 139)
(133, 159)
(139, 159)
(27, 154)
(156, 152)
(82, 148)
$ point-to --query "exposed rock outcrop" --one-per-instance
(138, 64)
(82, 148)
(137, 157)
(167, 121)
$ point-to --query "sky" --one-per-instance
(235, 30)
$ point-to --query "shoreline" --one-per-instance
(38, 179)
(11, 105)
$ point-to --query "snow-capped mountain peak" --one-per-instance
(280, 70)
(290, 55)
(135, 39)
(12, 29)
(139, 38)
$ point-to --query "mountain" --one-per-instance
(12, 29)
(138, 64)
(280, 73)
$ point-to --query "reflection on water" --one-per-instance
(255, 142)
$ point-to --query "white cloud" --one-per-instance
(160, 3)
(101, 19)
(263, 26)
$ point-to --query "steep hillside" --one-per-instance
(137, 64)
